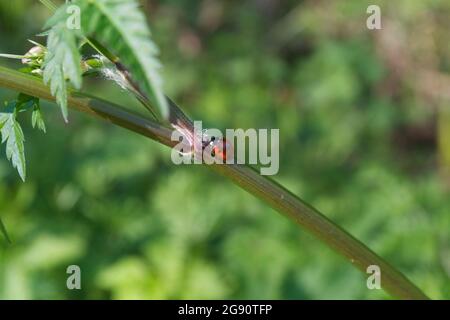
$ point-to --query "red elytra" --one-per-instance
(222, 149)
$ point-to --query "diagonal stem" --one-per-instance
(392, 281)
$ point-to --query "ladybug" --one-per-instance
(220, 148)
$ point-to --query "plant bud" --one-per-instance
(34, 53)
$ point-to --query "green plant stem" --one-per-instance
(11, 56)
(392, 281)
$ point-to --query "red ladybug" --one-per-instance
(221, 148)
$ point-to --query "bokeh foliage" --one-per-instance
(361, 137)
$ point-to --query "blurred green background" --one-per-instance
(364, 119)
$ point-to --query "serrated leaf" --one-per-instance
(6, 122)
(37, 120)
(26, 102)
(62, 60)
(15, 150)
(12, 134)
(121, 26)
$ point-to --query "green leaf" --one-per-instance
(62, 60)
(37, 120)
(121, 26)
(26, 102)
(12, 134)
(4, 231)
